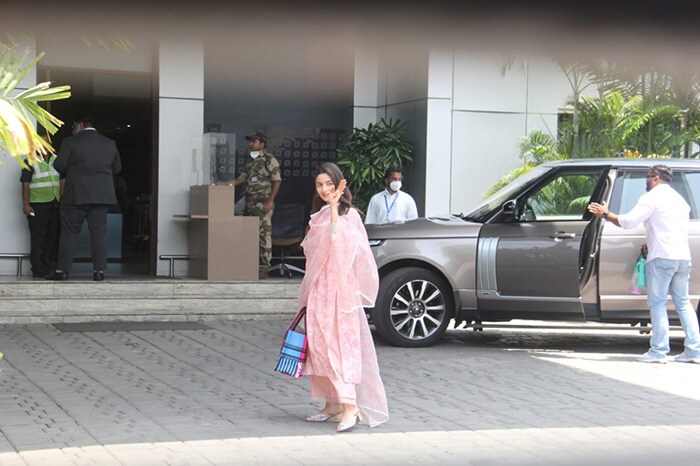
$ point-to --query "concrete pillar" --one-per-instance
(366, 90)
(438, 160)
(181, 119)
(15, 232)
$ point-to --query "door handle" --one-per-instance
(561, 235)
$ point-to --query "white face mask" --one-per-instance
(395, 185)
(254, 154)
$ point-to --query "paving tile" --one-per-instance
(211, 397)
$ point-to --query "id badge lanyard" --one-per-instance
(389, 207)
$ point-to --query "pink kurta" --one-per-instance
(341, 279)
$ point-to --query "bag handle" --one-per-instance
(300, 315)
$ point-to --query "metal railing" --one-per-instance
(18, 257)
(172, 258)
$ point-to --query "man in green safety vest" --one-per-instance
(41, 193)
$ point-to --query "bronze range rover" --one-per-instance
(530, 251)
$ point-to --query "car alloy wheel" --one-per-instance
(413, 307)
(417, 309)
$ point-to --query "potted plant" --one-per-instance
(366, 154)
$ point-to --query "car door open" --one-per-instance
(531, 262)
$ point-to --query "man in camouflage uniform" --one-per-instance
(262, 179)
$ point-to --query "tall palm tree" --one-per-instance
(18, 137)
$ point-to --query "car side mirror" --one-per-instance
(508, 209)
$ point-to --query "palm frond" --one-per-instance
(18, 136)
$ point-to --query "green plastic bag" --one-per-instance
(639, 276)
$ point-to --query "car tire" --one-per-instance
(414, 307)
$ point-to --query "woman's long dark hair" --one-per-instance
(345, 202)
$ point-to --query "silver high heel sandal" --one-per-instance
(349, 423)
(323, 417)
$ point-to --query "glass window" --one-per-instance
(564, 197)
(690, 190)
(633, 185)
(627, 193)
(504, 194)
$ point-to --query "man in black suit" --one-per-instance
(89, 162)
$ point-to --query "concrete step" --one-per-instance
(38, 301)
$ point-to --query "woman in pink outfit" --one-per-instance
(341, 280)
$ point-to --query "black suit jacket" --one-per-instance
(89, 162)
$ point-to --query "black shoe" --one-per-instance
(98, 276)
(57, 275)
(41, 271)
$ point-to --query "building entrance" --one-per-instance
(122, 107)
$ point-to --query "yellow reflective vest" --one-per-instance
(45, 184)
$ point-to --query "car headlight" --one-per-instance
(375, 242)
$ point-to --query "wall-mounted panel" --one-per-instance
(405, 76)
(366, 77)
(362, 117)
(548, 88)
(543, 121)
(440, 73)
(480, 86)
(484, 148)
(181, 69)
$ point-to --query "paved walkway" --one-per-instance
(209, 396)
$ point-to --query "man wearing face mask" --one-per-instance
(262, 179)
(392, 204)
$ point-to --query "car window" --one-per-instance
(504, 194)
(564, 197)
(628, 192)
(691, 193)
(633, 186)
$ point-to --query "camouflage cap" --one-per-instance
(257, 135)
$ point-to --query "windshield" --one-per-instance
(502, 195)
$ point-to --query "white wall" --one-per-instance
(181, 119)
(492, 112)
(485, 149)
(464, 115)
(15, 232)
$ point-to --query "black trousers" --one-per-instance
(72, 217)
(43, 235)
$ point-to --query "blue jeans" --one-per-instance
(664, 276)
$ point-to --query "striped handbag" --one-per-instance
(293, 354)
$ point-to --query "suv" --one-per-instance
(530, 251)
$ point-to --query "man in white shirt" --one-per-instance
(665, 215)
(392, 204)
